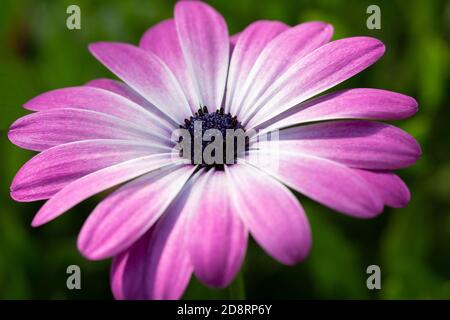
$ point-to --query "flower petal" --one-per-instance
(45, 129)
(126, 214)
(118, 275)
(119, 88)
(125, 91)
(330, 183)
(355, 143)
(391, 188)
(246, 52)
(205, 44)
(320, 70)
(278, 56)
(233, 40)
(111, 101)
(146, 74)
(373, 104)
(162, 40)
(157, 266)
(49, 171)
(96, 182)
(271, 213)
(217, 237)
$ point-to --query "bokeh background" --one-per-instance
(411, 245)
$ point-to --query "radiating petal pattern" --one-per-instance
(157, 266)
(278, 56)
(146, 74)
(96, 182)
(318, 71)
(126, 214)
(51, 170)
(166, 218)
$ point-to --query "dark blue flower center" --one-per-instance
(222, 122)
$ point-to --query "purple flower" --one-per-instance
(169, 218)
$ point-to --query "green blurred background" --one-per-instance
(411, 245)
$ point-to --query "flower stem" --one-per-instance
(236, 290)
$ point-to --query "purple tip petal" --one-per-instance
(45, 129)
(393, 191)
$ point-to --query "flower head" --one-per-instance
(171, 217)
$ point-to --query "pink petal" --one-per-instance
(320, 70)
(162, 40)
(51, 170)
(45, 129)
(96, 182)
(104, 101)
(373, 104)
(125, 91)
(126, 214)
(271, 213)
(325, 181)
(217, 237)
(233, 40)
(391, 188)
(146, 74)
(277, 57)
(157, 266)
(118, 274)
(355, 143)
(251, 42)
(205, 44)
(119, 88)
